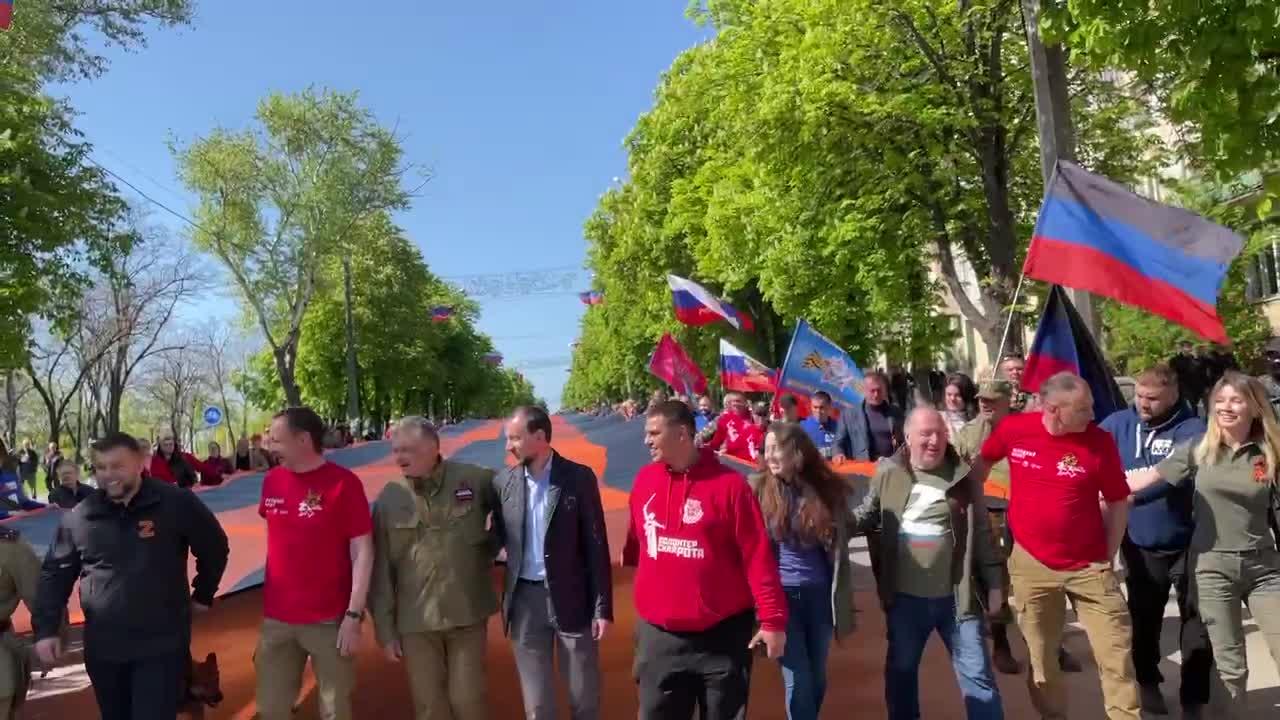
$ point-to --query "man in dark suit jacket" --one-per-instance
(874, 430)
(559, 587)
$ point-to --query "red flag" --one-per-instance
(672, 365)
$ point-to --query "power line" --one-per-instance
(557, 280)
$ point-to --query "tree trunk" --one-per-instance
(353, 387)
(10, 409)
(285, 356)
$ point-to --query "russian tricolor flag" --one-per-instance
(6, 14)
(591, 297)
(743, 373)
(695, 306)
(441, 313)
(1094, 234)
(1063, 343)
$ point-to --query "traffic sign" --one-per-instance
(212, 415)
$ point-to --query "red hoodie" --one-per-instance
(700, 549)
(738, 436)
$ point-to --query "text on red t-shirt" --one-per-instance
(1054, 486)
(311, 519)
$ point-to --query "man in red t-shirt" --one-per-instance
(319, 557)
(1060, 463)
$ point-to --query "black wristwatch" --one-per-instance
(354, 615)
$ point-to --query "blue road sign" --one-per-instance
(212, 415)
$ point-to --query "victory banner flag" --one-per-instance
(1063, 343)
(672, 365)
(743, 373)
(1094, 234)
(815, 363)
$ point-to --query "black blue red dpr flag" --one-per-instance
(1094, 234)
(1063, 343)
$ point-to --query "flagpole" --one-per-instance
(1004, 338)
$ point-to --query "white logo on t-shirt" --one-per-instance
(651, 526)
(923, 497)
(692, 511)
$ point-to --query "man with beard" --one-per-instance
(705, 574)
(1157, 539)
(127, 544)
(432, 591)
(558, 590)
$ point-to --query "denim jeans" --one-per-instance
(911, 621)
(804, 661)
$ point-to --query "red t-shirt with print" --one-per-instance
(311, 519)
(1054, 486)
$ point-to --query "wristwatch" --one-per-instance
(354, 615)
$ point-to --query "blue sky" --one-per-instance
(519, 109)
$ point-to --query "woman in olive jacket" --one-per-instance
(806, 508)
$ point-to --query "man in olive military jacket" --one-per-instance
(432, 590)
(559, 585)
(19, 575)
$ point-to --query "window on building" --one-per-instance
(1261, 280)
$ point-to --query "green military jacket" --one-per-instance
(19, 575)
(968, 444)
(884, 508)
(433, 552)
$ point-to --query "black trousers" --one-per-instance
(1151, 574)
(708, 670)
(146, 689)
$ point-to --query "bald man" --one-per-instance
(1060, 462)
(934, 540)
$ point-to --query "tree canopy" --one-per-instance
(840, 161)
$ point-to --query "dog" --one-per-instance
(202, 687)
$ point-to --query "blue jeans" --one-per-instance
(804, 661)
(911, 620)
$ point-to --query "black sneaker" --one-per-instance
(1153, 700)
(1067, 662)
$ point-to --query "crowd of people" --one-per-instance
(724, 569)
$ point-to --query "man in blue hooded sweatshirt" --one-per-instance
(1155, 543)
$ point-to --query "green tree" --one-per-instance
(274, 203)
(58, 215)
(64, 39)
(1213, 68)
(840, 161)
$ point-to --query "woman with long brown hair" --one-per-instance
(1235, 546)
(806, 510)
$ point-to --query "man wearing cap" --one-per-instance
(995, 398)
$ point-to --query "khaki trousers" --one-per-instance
(280, 659)
(1223, 581)
(447, 673)
(1040, 605)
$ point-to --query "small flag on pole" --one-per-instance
(694, 305)
(493, 358)
(743, 373)
(591, 297)
(672, 365)
(1063, 343)
(815, 363)
(441, 313)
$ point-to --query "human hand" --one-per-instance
(598, 628)
(49, 651)
(348, 636)
(774, 642)
(393, 651)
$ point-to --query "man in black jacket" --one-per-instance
(127, 544)
(559, 584)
